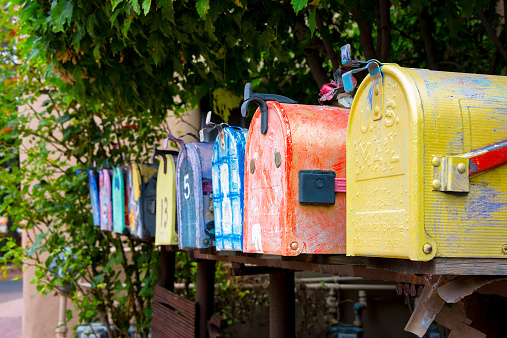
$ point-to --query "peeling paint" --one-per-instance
(306, 138)
(194, 204)
(228, 169)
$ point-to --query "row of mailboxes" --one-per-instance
(424, 177)
(123, 199)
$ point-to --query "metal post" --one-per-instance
(166, 264)
(205, 294)
(61, 330)
(282, 304)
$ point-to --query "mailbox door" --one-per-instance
(267, 162)
(228, 187)
(134, 195)
(194, 196)
(118, 201)
(106, 204)
(94, 197)
(318, 147)
(166, 232)
(125, 176)
(149, 175)
(384, 182)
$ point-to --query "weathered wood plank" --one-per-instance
(400, 270)
(173, 315)
(171, 324)
(443, 266)
(184, 306)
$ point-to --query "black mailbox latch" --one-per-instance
(317, 186)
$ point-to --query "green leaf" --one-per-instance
(63, 118)
(115, 3)
(135, 6)
(311, 21)
(298, 5)
(61, 13)
(146, 6)
(126, 26)
(202, 8)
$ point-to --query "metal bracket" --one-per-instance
(260, 100)
(452, 173)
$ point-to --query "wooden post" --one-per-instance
(205, 294)
(282, 304)
(166, 267)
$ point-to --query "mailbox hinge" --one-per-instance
(452, 173)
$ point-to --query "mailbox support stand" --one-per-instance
(282, 304)
(166, 266)
(205, 295)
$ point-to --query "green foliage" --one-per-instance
(224, 102)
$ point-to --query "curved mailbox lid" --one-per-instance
(298, 137)
(119, 202)
(194, 196)
(395, 211)
(228, 168)
(94, 197)
(106, 203)
(166, 232)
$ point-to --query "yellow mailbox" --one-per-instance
(425, 151)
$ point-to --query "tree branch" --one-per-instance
(385, 30)
(365, 37)
(312, 59)
(330, 52)
(492, 35)
(426, 27)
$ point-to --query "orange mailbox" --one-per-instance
(294, 177)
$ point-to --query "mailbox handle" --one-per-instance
(486, 158)
(260, 100)
(162, 152)
(266, 97)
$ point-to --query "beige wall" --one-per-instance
(40, 313)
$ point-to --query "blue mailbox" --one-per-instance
(94, 196)
(194, 196)
(228, 168)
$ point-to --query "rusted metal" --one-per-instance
(282, 304)
(205, 295)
